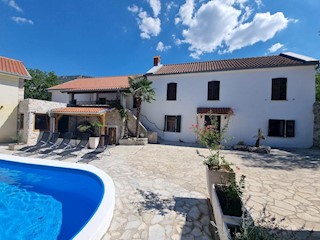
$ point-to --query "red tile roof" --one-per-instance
(215, 111)
(233, 64)
(80, 110)
(13, 67)
(93, 84)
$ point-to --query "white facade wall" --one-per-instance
(248, 93)
(10, 94)
(58, 96)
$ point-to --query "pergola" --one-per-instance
(100, 112)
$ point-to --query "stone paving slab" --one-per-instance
(161, 190)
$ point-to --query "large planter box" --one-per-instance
(222, 221)
(218, 177)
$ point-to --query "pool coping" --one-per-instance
(100, 221)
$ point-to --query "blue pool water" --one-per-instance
(42, 202)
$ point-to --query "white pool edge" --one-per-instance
(100, 221)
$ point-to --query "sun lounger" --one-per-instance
(78, 148)
(42, 141)
(98, 152)
(53, 140)
(65, 144)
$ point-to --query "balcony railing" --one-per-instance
(101, 102)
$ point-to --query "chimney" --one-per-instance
(156, 60)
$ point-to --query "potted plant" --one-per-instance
(90, 127)
(218, 170)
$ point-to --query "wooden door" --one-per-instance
(112, 131)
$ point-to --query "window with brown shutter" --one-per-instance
(279, 89)
(281, 128)
(172, 91)
(214, 90)
(172, 123)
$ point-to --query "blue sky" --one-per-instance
(112, 37)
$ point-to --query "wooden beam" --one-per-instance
(103, 128)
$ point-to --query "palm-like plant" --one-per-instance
(140, 88)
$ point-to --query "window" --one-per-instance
(172, 91)
(41, 122)
(134, 102)
(207, 121)
(281, 128)
(172, 123)
(214, 90)
(102, 101)
(279, 89)
(21, 121)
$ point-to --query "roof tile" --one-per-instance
(214, 111)
(231, 64)
(93, 84)
(13, 67)
(75, 110)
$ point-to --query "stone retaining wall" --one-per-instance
(316, 126)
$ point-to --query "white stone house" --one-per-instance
(273, 93)
(12, 76)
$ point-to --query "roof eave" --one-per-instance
(90, 90)
(27, 77)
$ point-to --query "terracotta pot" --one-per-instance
(220, 176)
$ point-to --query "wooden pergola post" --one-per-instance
(103, 128)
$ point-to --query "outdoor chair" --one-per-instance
(42, 141)
(77, 148)
(52, 142)
(98, 152)
(65, 144)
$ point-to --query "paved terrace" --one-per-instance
(161, 190)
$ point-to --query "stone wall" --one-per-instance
(28, 108)
(132, 119)
(316, 126)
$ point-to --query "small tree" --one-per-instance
(211, 137)
(36, 88)
(259, 137)
(140, 88)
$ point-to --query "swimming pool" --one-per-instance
(43, 199)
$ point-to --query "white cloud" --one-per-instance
(22, 20)
(185, 13)
(275, 47)
(156, 7)
(170, 5)
(210, 26)
(176, 40)
(262, 28)
(259, 3)
(149, 26)
(13, 4)
(162, 48)
(133, 8)
(222, 25)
